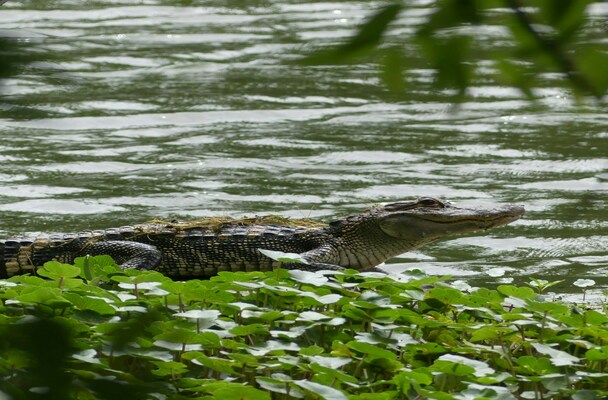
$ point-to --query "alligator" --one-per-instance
(202, 248)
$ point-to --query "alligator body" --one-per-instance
(200, 249)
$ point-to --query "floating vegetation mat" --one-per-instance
(94, 331)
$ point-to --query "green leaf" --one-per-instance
(452, 368)
(595, 318)
(272, 346)
(370, 33)
(96, 267)
(209, 340)
(392, 69)
(56, 270)
(169, 368)
(177, 335)
(355, 314)
(123, 279)
(452, 13)
(491, 332)
(313, 350)
(364, 41)
(86, 268)
(518, 292)
(558, 357)
(420, 378)
(204, 318)
(586, 395)
(97, 305)
(283, 257)
(329, 362)
(233, 390)
(388, 395)
(325, 392)
(246, 330)
(214, 363)
(510, 74)
(449, 59)
(29, 280)
(279, 386)
(597, 354)
(371, 343)
(272, 315)
(447, 295)
(593, 64)
(372, 352)
(548, 308)
(566, 16)
(52, 297)
(480, 368)
(329, 375)
(321, 300)
(248, 359)
(312, 316)
(308, 277)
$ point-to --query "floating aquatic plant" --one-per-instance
(94, 331)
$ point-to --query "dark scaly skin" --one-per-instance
(202, 249)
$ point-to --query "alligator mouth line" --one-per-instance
(510, 214)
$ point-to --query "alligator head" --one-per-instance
(395, 228)
(427, 219)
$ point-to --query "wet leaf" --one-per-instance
(325, 392)
(557, 357)
(312, 316)
(308, 277)
(271, 346)
(330, 362)
(326, 299)
(585, 395)
(480, 368)
(279, 386)
(283, 257)
(584, 283)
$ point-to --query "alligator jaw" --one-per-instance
(483, 218)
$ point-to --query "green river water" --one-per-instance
(146, 109)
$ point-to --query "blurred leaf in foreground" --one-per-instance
(544, 37)
(363, 42)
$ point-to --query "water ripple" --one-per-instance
(159, 110)
(58, 206)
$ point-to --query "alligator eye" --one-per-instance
(430, 202)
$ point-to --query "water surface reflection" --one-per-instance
(147, 111)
